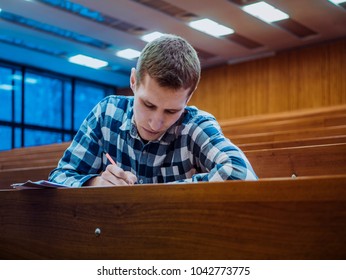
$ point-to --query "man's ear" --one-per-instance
(189, 97)
(133, 79)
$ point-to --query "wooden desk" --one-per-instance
(268, 219)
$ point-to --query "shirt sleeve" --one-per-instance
(217, 157)
(82, 160)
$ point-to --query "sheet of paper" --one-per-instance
(42, 184)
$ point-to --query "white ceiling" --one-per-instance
(327, 20)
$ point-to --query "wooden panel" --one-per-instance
(302, 161)
(268, 163)
(309, 77)
(298, 134)
(286, 125)
(297, 115)
(268, 219)
(45, 155)
(293, 143)
(21, 175)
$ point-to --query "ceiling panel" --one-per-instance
(253, 38)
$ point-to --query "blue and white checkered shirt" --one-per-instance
(192, 150)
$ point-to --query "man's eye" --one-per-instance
(171, 112)
(149, 106)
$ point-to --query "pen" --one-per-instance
(113, 162)
(110, 159)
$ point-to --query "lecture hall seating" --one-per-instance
(295, 211)
(268, 219)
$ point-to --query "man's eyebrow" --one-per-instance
(173, 110)
(146, 102)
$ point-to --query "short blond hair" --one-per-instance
(171, 61)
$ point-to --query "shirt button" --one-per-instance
(141, 181)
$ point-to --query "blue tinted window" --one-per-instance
(6, 89)
(43, 101)
(67, 137)
(37, 137)
(86, 97)
(48, 100)
(5, 138)
(67, 105)
(18, 96)
(17, 137)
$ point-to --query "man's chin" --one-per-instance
(149, 136)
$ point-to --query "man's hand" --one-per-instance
(113, 175)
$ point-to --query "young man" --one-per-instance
(153, 137)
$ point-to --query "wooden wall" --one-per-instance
(308, 77)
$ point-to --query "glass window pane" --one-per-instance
(67, 105)
(17, 137)
(18, 96)
(86, 97)
(67, 137)
(43, 100)
(5, 138)
(6, 89)
(38, 137)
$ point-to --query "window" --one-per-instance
(39, 108)
(37, 137)
(85, 98)
(6, 137)
(43, 101)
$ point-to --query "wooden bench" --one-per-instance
(276, 153)
(293, 143)
(298, 115)
(290, 135)
(21, 175)
(280, 125)
(299, 161)
(268, 163)
(32, 156)
(49, 155)
(268, 219)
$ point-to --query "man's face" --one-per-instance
(156, 109)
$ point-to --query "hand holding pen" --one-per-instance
(125, 176)
(113, 176)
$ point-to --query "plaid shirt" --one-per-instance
(192, 150)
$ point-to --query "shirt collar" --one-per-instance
(169, 136)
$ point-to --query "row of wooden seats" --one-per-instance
(289, 135)
(317, 117)
(272, 154)
(51, 158)
(319, 122)
(293, 143)
(273, 218)
(311, 160)
(302, 219)
(32, 156)
(50, 154)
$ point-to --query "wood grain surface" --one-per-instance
(268, 219)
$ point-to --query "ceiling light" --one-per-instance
(88, 61)
(336, 2)
(265, 12)
(6, 87)
(128, 53)
(211, 27)
(17, 77)
(151, 36)
(31, 81)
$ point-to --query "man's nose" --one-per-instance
(156, 122)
